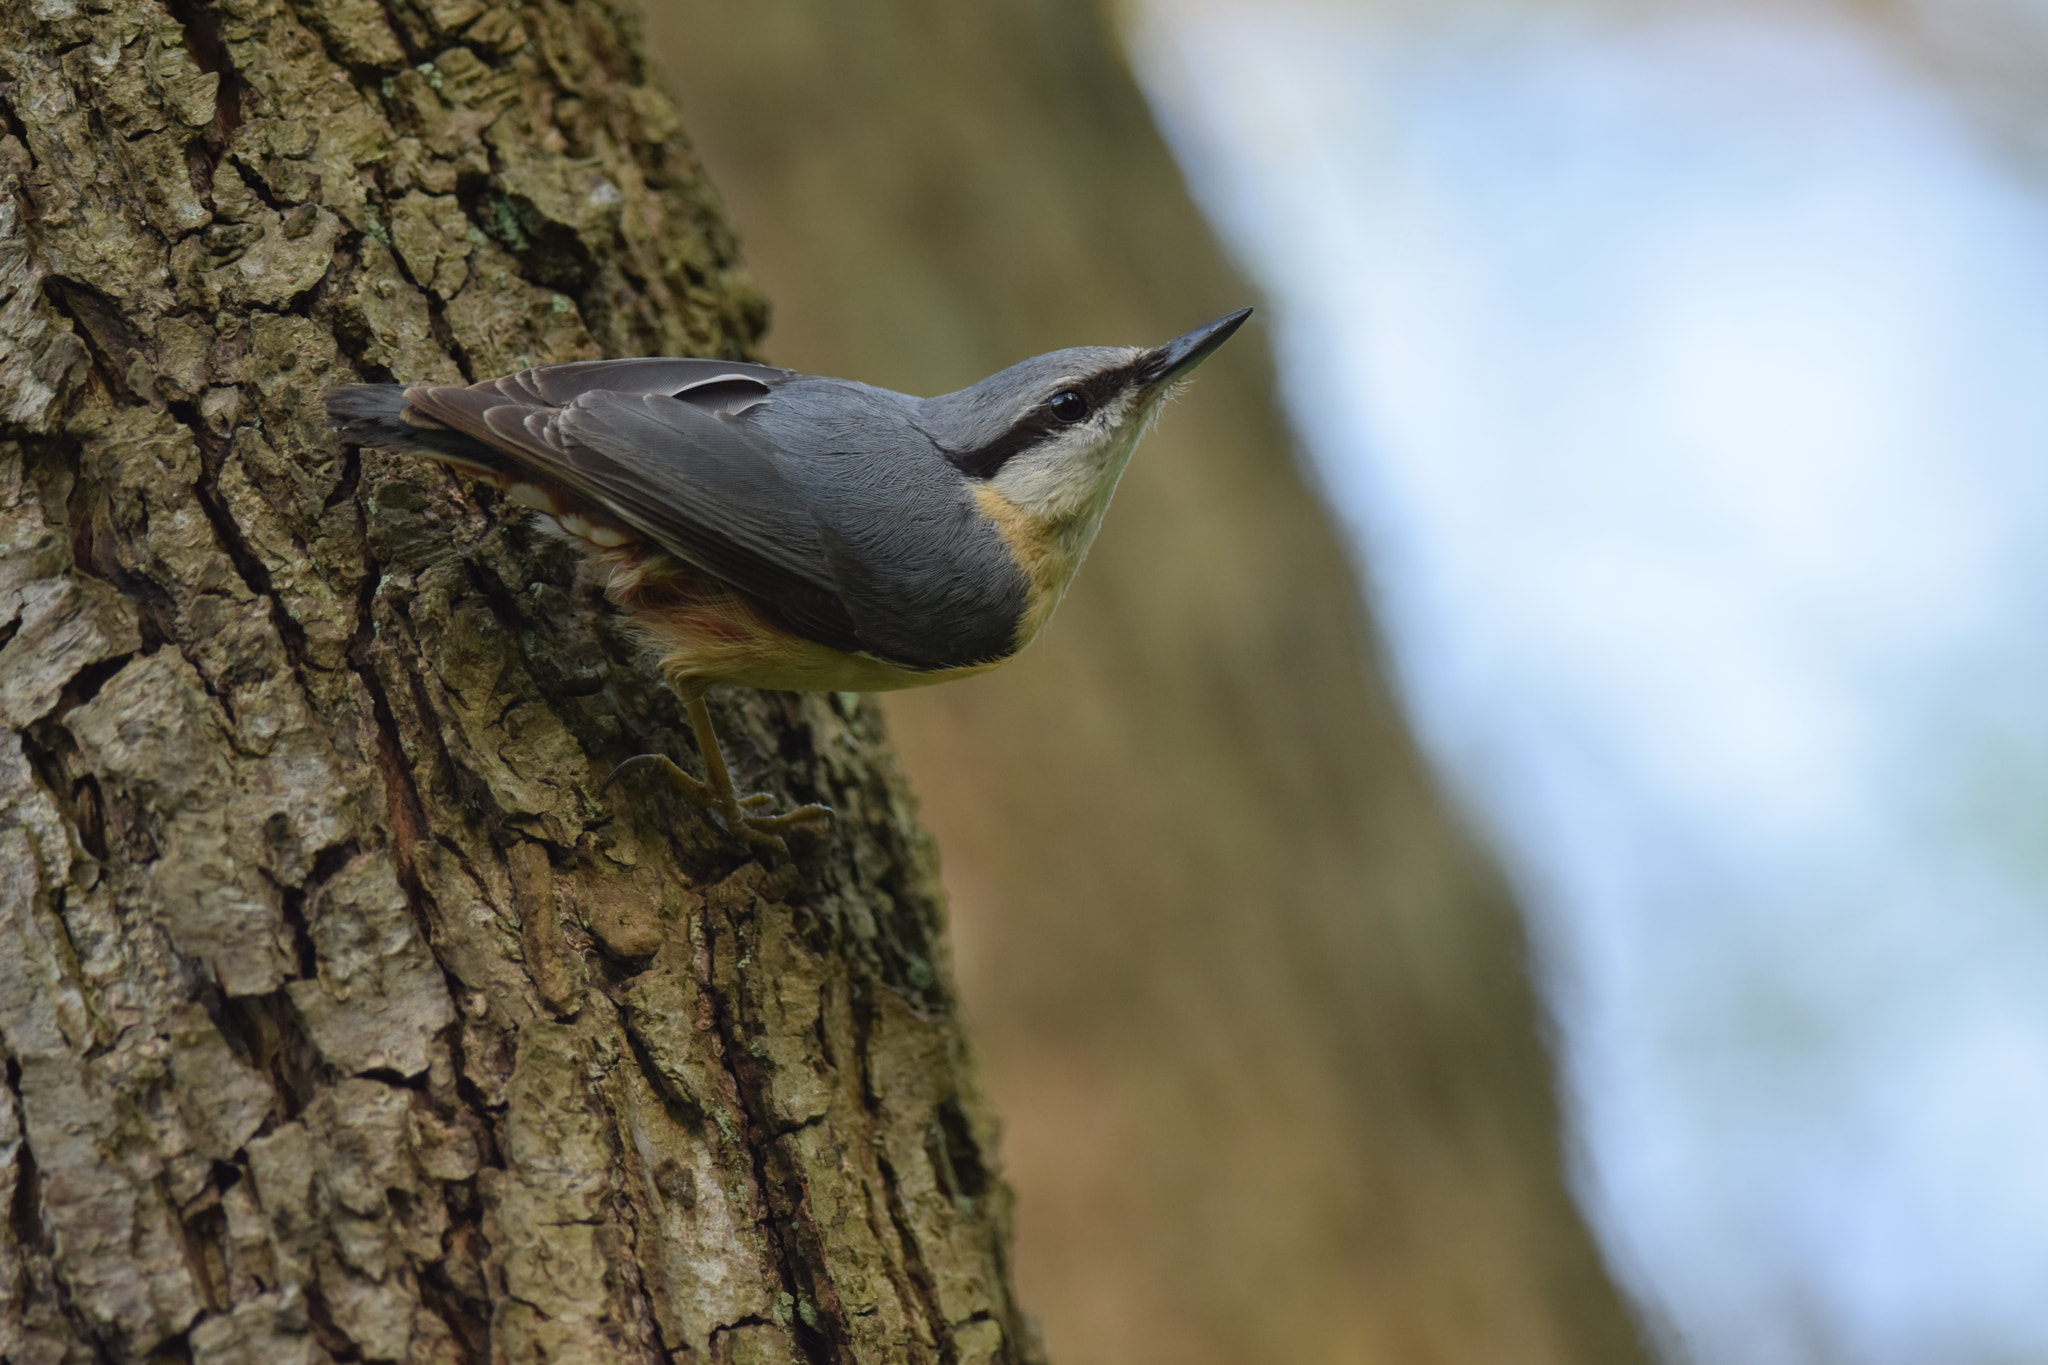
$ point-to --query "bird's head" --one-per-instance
(1052, 434)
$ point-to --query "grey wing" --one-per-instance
(826, 483)
(388, 414)
(560, 385)
(925, 575)
(695, 479)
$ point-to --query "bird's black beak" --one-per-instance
(1169, 362)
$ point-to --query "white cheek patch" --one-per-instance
(1054, 477)
(1071, 476)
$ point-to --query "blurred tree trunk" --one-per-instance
(342, 1019)
(1255, 1009)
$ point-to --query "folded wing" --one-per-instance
(662, 445)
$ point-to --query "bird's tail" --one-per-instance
(374, 415)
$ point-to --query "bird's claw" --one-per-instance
(698, 793)
(734, 812)
(766, 831)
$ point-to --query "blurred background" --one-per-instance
(1646, 414)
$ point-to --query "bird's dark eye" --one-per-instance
(1068, 405)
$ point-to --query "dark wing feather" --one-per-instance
(560, 385)
(707, 488)
(701, 485)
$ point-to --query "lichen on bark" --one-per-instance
(344, 1017)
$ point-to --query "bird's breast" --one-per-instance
(1048, 559)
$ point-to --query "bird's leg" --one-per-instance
(716, 792)
(765, 830)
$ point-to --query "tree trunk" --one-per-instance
(343, 1018)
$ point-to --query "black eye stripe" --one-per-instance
(1103, 387)
(984, 462)
(987, 460)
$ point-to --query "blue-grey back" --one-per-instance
(924, 573)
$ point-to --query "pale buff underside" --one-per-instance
(705, 635)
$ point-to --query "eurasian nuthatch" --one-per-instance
(773, 529)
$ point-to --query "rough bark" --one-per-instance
(343, 1019)
(1254, 1005)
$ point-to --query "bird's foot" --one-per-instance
(740, 815)
(755, 828)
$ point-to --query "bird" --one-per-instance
(762, 527)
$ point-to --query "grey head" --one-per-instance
(1052, 434)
